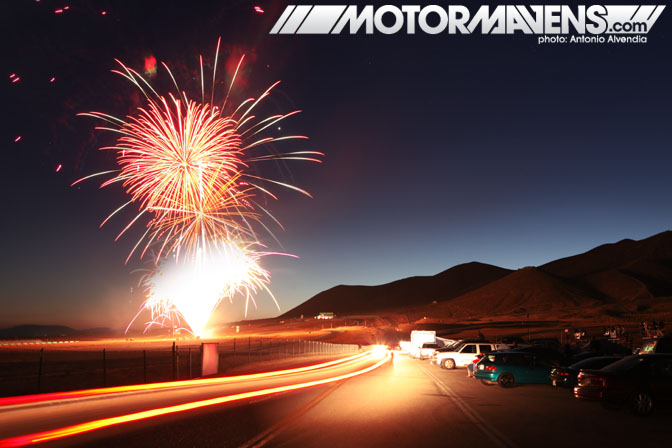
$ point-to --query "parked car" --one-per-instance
(606, 347)
(656, 345)
(462, 355)
(510, 368)
(566, 376)
(418, 338)
(551, 343)
(550, 355)
(427, 350)
(455, 346)
(640, 381)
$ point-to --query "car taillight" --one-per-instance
(563, 373)
(491, 368)
(584, 380)
(599, 381)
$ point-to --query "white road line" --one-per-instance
(493, 434)
(284, 424)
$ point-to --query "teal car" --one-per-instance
(509, 368)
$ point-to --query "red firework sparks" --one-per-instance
(185, 166)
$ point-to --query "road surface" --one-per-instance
(405, 403)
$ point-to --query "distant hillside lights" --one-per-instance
(325, 316)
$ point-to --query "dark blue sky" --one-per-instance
(439, 149)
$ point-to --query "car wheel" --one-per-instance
(449, 363)
(642, 404)
(487, 383)
(506, 380)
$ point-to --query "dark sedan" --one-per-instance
(566, 376)
(641, 381)
(549, 355)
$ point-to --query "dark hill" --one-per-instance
(407, 292)
(613, 256)
(527, 290)
(612, 278)
(624, 271)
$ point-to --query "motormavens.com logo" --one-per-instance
(553, 23)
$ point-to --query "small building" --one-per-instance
(325, 315)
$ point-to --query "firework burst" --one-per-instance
(185, 166)
(189, 290)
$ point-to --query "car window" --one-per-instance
(543, 362)
(593, 363)
(471, 348)
(627, 363)
(524, 360)
(515, 359)
(484, 348)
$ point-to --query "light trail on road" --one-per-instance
(80, 428)
(168, 384)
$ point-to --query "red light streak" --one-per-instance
(171, 384)
(53, 78)
(17, 139)
(258, 10)
(69, 431)
(16, 79)
(58, 11)
(58, 168)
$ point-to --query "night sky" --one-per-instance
(439, 150)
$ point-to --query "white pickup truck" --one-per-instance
(463, 354)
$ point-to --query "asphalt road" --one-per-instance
(405, 403)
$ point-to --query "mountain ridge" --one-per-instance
(611, 278)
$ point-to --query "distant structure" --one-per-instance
(325, 316)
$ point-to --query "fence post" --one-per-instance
(144, 366)
(39, 371)
(234, 346)
(104, 369)
(190, 375)
(249, 348)
(177, 364)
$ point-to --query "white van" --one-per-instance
(463, 354)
